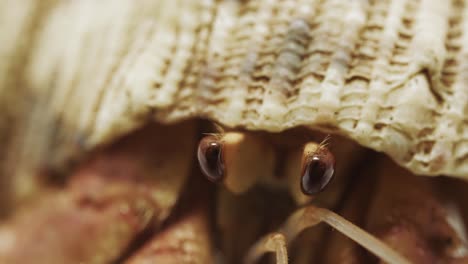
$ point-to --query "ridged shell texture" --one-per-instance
(390, 74)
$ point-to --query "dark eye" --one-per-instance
(210, 158)
(317, 171)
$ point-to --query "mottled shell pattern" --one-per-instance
(389, 74)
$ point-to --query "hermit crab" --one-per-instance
(233, 131)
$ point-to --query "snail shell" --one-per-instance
(391, 75)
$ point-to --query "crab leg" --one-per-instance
(113, 198)
(409, 215)
(185, 240)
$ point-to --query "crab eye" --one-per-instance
(210, 158)
(317, 171)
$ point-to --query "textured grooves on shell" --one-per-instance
(391, 75)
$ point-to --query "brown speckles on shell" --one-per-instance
(391, 75)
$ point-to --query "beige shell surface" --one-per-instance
(390, 74)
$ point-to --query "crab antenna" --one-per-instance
(312, 215)
(275, 242)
